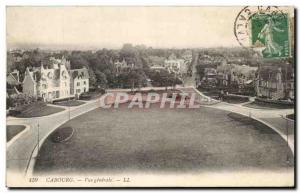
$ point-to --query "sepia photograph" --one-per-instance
(150, 96)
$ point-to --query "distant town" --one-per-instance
(56, 75)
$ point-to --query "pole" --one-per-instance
(287, 140)
(38, 142)
(38, 133)
(69, 108)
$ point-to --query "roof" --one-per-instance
(11, 79)
(80, 73)
(12, 91)
(270, 73)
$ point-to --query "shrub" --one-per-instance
(62, 134)
(20, 99)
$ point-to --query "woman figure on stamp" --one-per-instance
(272, 48)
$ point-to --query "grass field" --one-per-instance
(70, 103)
(264, 105)
(36, 109)
(13, 130)
(163, 140)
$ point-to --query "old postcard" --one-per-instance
(150, 96)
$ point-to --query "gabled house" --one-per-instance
(13, 78)
(122, 66)
(176, 66)
(51, 82)
(210, 77)
(275, 83)
(271, 83)
(13, 84)
(79, 81)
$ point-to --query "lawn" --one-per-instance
(91, 95)
(264, 105)
(36, 109)
(163, 140)
(13, 130)
(69, 103)
(235, 99)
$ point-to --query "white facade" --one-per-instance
(79, 81)
(29, 84)
(177, 66)
(55, 82)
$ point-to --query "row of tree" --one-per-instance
(101, 66)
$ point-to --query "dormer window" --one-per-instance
(64, 74)
(50, 75)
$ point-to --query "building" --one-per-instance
(188, 55)
(122, 66)
(79, 81)
(50, 83)
(174, 65)
(210, 77)
(13, 85)
(13, 78)
(234, 74)
(275, 83)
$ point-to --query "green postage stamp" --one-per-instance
(270, 34)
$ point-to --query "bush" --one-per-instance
(64, 99)
(62, 134)
(92, 94)
(235, 99)
(19, 100)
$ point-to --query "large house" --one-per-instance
(13, 78)
(210, 76)
(53, 81)
(233, 74)
(79, 81)
(275, 83)
(13, 85)
(122, 66)
(174, 65)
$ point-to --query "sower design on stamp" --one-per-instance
(270, 34)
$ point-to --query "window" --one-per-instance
(84, 82)
(77, 90)
(78, 83)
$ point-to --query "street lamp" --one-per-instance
(38, 137)
(287, 139)
(69, 108)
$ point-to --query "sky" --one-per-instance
(111, 27)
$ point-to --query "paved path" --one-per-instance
(191, 81)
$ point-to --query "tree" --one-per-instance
(101, 79)
(92, 78)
